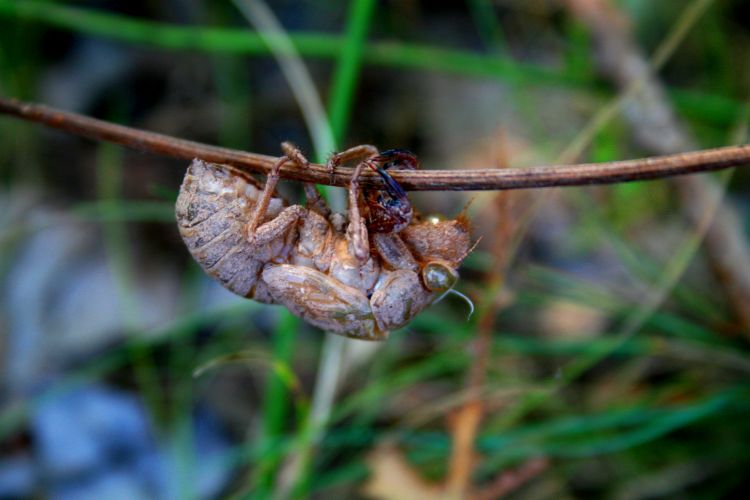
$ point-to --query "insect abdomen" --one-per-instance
(212, 211)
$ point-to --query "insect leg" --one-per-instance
(314, 200)
(356, 233)
(399, 297)
(361, 152)
(322, 301)
(260, 234)
(262, 204)
(394, 252)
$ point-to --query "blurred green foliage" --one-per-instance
(610, 410)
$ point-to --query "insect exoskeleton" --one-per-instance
(212, 211)
(334, 271)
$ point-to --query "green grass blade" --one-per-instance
(348, 67)
(715, 109)
(275, 401)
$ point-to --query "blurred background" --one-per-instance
(608, 353)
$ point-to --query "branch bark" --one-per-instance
(421, 180)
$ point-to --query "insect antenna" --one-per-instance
(471, 249)
(466, 299)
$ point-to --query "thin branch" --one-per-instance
(421, 180)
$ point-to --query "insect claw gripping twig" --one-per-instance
(293, 153)
(314, 199)
(331, 165)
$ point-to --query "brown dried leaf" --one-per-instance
(393, 478)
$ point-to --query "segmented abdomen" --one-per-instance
(213, 208)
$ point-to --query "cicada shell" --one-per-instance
(332, 270)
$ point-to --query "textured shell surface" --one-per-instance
(212, 211)
(306, 261)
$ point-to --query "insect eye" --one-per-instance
(439, 277)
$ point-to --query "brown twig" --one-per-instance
(424, 180)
